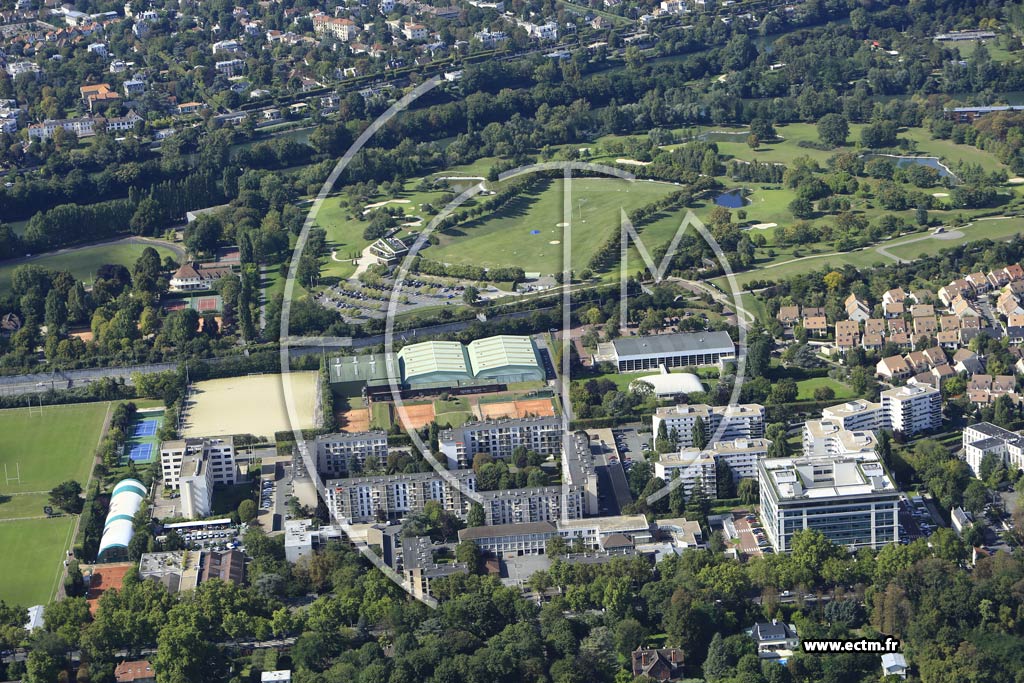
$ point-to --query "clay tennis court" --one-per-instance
(254, 404)
(206, 304)
(355, 420)
(414, 417)
(537, 407)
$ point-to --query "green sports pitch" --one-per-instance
(48, 445)
(43, 447)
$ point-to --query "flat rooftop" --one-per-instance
(680, 342)
(827, 476)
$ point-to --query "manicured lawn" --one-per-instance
(455, 418)
(82, 263)
(992, 230)
(31, 561)
(949, 151)
(50, 448)
(23, 505)
(507, 239)
(345, 229)
(454, 404)
(806, 387)
(380, 415)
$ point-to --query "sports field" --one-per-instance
(142, 444)
(527, 407)
(50, 447)
(528, 231)
(44, 448)
(83, 262)
(31, 563)
(251, 405)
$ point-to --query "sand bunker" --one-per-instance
(763, 226)
(554, 242)
(632, 162)
(940, 194)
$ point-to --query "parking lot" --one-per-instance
(222, 537)
(365, 300)
(751, 539)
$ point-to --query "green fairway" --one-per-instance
(507, 239)
(31, 563)
(49, 448)
(805, 388)
(82, 263)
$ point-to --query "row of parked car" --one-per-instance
(267, 495)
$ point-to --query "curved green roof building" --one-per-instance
(504, 358)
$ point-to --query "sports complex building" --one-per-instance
(483, 365)
(678, 350)
(125, 501)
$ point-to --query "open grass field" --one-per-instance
(507, 239)
(55, 446)
(995, 230)
(805, 388)
(381, 415)
(255, 404)
(83, 262)
(32, 559)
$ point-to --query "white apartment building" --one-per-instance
(856, 415)
(368, 499)
(825, 437)
(82, 127)
(230, 67)
(983, 438)
(339, 455)
(913, 409)
(691, 468)
(195, 481)
(415, 31)
(15, 69)
(499, 438)
(850, 499)
(744, 421)
(220, 452)
(741, 455)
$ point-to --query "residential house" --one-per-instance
(922, 311)
(874, 326)
(979, 282)
(925, 327)
(894, 664)
(856, 309)
(814, 311)
(967, 361)
(789, 316)
(1015, 335)
(98, 94)
(872, 342)
(816, 326)
(948, 339)
(774, 640)
(847, 335)
(894, 310)
(1007, 304)
(661, 664)
(139, 671)
(894, 296)
(415, 32)
(193, 277)
(963, 308)
(893, 367)
(1015, 320)
(190, 107)
(949, 323)
(985, 389)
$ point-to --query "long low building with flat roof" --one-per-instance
(499, 438)
(743, 421)
(594, 533)
(503, 358)
(681, 349)
(850, 499)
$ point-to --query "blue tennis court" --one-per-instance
(146, 427)
(141, 452)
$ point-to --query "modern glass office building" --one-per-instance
(850, 499)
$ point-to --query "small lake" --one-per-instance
(903, 162)
(733, 199)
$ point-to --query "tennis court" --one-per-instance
(206, 304)
(142, 444)
(146, 427)
(141, 452)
